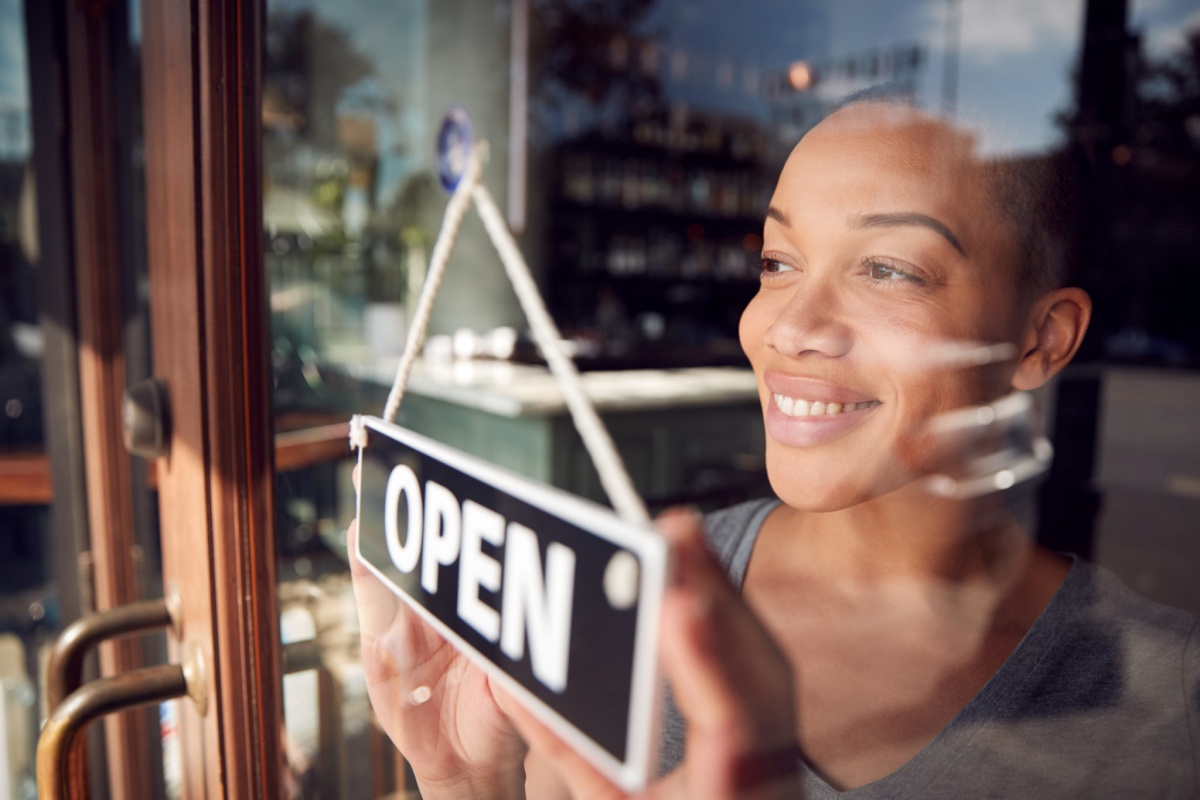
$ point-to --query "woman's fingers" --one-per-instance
(377, 605)
(730, 680)
(692, 626)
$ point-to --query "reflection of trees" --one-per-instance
(1159, 212)
(1164, 199)
(320, 103)
(587, 50)
(1145, 263)
(307, 63)
(1168, 95)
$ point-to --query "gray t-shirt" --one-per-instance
(1101, 699)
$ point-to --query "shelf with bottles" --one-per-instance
(666, 187)
(646, 318)
(675, 166)
(658, 230)
(686, 252)
(689, 136)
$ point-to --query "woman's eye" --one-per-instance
(886, 273)
(771, 266)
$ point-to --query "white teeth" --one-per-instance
(798, 407)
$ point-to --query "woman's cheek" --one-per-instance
(756, 319)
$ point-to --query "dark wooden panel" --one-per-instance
(99, 305)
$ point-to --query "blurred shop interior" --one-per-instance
(633, 148)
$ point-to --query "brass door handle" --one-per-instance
(73, 706)
(65, 670)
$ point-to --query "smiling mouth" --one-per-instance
(800, 407)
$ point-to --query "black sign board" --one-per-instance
(556, 597)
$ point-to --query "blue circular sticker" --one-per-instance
(455, 140)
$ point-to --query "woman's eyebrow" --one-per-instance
(777, 215)
(904, 219)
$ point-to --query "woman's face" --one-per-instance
(881, 247)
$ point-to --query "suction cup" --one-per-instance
(455, 140)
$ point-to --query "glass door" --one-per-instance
(253, 490)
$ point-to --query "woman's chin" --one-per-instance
(820, 489)
(819, 496)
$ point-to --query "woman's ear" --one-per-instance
(1053, 332)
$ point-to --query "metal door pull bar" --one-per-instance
(73, 704)
(82, 635)
(91, 701)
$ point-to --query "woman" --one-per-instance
(910, 644)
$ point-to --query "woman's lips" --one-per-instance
(812, 389)
(804, 412)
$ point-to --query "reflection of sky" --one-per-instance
(14, 83)
(1014, 71)
(1163, 23)
(1014, 57)
(1016, 60)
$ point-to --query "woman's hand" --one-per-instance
(731, 683)
(438, 708)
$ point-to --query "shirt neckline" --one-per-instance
(941, 751)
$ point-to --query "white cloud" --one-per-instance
(1163, 40)
(995, 29)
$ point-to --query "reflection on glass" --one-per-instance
(28, 614)
(655, 138)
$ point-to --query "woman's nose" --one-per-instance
(812, 322)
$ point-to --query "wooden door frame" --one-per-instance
(202, 93)
(97, 214)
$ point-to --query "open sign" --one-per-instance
(556, 597)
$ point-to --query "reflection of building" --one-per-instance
(803, 92)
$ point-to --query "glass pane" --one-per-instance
(28, 611)
(38, 547)
(636, 165)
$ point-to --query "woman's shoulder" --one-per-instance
(1102, 643)
(1104, 673)
(732, 531)
(1096, 593)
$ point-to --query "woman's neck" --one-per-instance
(907, 534)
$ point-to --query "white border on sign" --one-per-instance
(641, 728)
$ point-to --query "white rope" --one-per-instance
(599, 444)
(456, 209)
(611, 469)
